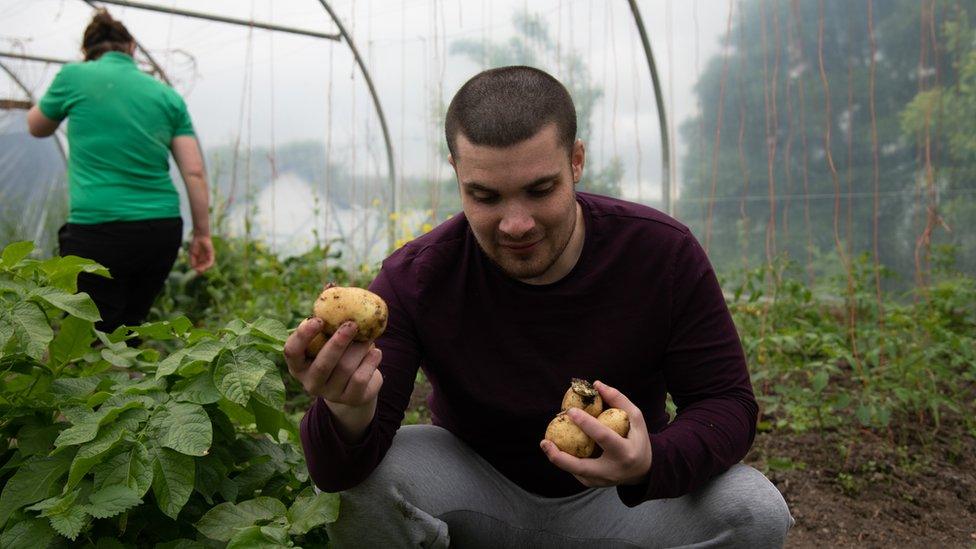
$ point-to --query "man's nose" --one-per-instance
(516, 222)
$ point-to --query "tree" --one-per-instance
(773, 176)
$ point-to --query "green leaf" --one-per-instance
(190, 431)
(33, 481)
(238, 373)
(199, 389)
(820, 381)
(90, 453)
(28, 534)
(63, 271)
(111, 500)
(222, 522)
(124, 357)
(170, 364)
(79, 305)
(162, 330)
(13, 253)
(271, 329)
(74, 387)
(86, 425)
(73, 341)
(271, 390)
(31, 329)
(65, 517)
(132, 469)
(172, 479)
(36, 438)
(269, 420)
(312, 510)
(69, 522)
(205, 351)
(263, 537)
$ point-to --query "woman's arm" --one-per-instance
(186, 151)
(40, 125)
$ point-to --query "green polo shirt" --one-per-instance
(121, 123)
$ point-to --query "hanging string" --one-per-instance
(743, 165)
(672, 156)
(875, 184)
(247, 187)
(718, 127)
(616, 82)
(850, 135)
(772, 123)
(634, 68)
(328, 150)
(790, 127)
(272, 158)
(834, 178)
(797, 44)
(700, 136)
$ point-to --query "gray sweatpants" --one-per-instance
(431, 490)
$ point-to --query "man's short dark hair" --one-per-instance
(505, 106)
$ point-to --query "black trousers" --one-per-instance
(138, 254)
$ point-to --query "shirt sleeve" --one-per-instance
(182, 124)
(55, 104)
(335, 465)
(707, 378)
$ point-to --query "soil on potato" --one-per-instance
(874, 492)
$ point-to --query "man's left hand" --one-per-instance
(624, 460)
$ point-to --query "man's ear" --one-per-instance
(578, 160)
(450, 160)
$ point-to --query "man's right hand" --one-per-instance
(344, 374)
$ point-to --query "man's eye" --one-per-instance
(542, 191)
(484, 197)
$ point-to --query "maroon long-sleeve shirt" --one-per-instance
(641, 311)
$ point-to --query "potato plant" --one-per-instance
(107, 444)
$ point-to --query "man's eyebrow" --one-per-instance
(476, 186)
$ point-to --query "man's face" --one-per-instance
(521, 204)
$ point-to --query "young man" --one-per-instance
(532, 285)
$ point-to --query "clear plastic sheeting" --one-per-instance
(33, 185)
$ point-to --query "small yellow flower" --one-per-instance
(426, 228)
(394, 216)
(376, 202)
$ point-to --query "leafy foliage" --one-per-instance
(106, 441)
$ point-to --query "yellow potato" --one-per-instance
(568, 437)
(582, 395)
(316, 344)
(616, 419)
(336, 305)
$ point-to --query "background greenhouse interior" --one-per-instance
(822, 151)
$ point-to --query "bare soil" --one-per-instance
(862, 489)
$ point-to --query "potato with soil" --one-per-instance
(337, 304)
(581, 394)
(568, 437)
(616, 419)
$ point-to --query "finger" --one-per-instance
(297, 342)
(564, 461)
(616, 399)
(600, 433)
(358, 384)
(335, 376)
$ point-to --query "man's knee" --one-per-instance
(751, 507)
(382, 509)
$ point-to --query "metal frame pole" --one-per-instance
(221, 19)
(26, 57)
(661, 115)
(379, 111)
